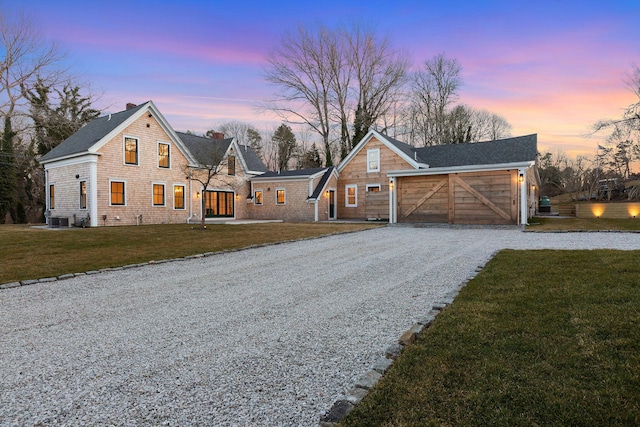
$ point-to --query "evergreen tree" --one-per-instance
(286, 144)
(311, 158)
(255, 141)
(7, 173)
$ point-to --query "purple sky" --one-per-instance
(549, 67)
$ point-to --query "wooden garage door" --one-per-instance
(473, 198)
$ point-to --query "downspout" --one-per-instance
(46, 194)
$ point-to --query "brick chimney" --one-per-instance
(217, 135)
(131, 105)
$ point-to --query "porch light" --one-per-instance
(197, 195)
(391, 185)
(521, 178)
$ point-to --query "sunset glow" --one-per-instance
(551, 68)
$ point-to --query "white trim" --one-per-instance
(124, 150)
(378, 186)
(369, 152)
(184, 197)
(164, 194)
(93, 191)
(281, 178)
(255, 199)
(346, 196)
(335, 204)
(86, 194)
(124, 194)
(158, 155)
(460, 169)
(284, 190)
(365, 140)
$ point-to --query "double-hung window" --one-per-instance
(351, 195)
(117, 189)
(257, 199)
(130, 150)
(164, 160)
(52, 196)
(178, 197)
(83, 194)
(231, 165)
(280, 196)
(373, 160)
(158, 194)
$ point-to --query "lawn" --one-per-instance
(583, 224)
(32, 253)
(537, 338)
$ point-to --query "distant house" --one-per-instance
(131, 167)
(490, 182)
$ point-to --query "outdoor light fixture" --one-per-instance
(197, 195)
(521, 178)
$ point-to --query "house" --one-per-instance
(490, 182)
(297, 195)
(131, 167)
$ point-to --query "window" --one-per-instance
(83, 194)
(117, 193)
(163, 155)
(257, 199)
(178, 197)
(219, 204)
(231, 165)
(373, 188)
(158, 194)
(373, 160)
(280, 197)
(130, 150)
(351, 195)
(52, 196)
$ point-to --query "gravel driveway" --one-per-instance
(265, 336)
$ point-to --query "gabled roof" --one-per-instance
(300, 173)
(253, 162)
(405, 151)
(91, 133)
(322, 183)
(92, 136)
(205, 149)
(501, 151)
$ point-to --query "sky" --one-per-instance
(549, 67)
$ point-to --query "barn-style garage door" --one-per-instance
(470, 198)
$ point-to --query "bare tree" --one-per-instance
(213, 167)
(300, 69)
(434, 91)
(26, 57)
(331, 78)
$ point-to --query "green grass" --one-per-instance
(559, 224)
(538, 338)
(30, 253)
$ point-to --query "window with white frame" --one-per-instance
(158, 194)
(373, 160)
(351, 195)
(117, 190)
(52, 196)
(373, 188)
(130, 150)
(178, 197)
(280, 196)
(83, 194)
(164, 160)
(257, 197)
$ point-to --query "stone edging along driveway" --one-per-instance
(268, 336)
